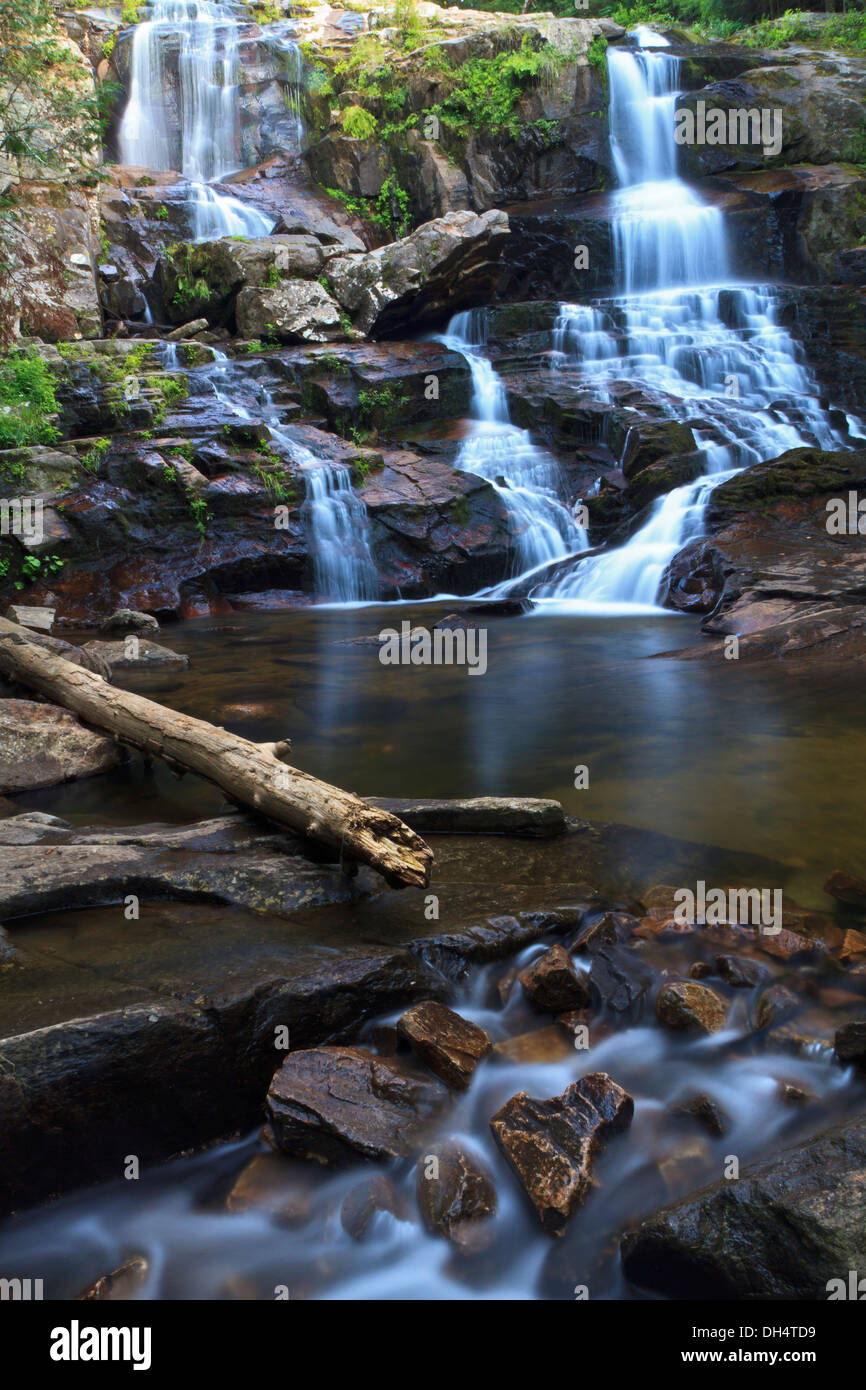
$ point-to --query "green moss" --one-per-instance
(358, 123)
(27, 401)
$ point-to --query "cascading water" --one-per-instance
(345, 572)
(711, 352)
(197, 131)
(525, 476)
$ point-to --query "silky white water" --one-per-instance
(525, 476)
(183, 111)
(710, 352)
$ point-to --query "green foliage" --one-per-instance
(33, 567)
(486, 91)
(200, 514)
(380, 406)
(27, 401)
(391, 209)
(129, 11)
(358, 123)
(273, 277)
(92, 460)
(162, 213)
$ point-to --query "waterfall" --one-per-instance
(713, 353)
(183, 111)
(337, 517)
(525, 476)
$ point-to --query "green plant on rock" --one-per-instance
(95, 455)
(27, 401)
(391, 209)
(273, 277)
(358, 123)
(33, 567)
(200, 514)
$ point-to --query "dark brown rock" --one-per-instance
(339, 1104)
(365, 1201)
(706, 1111)
(846, 888)
(741, 972)
(775, 1005)
(270, 1184)
(551, 1144)
(552, 983)
(850, 1042)
(445, 1042)
(122, 1284)
(686, 1005)
(455, 1192)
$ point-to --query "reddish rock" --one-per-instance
(551, 1144)
(845, 888)
(853, 945)
(339, 1104)
(455, 1193)
(122, 1284)
(688, 1006)
(543, 1045)
(552, 983)
(447, 1043)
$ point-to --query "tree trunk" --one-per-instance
(247, 772)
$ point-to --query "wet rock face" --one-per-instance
(456, 1193)
(41, 745)
(339, 1104)
(553, 983)
(688, 1006)
(448, 1044)
(551, 1144)
(786, 1229)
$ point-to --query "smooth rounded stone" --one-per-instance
(137, 654)
(551, 1144)
(456, 1192)
(448, 1044)
(850, 1042)
(845, 888)
(706, 1111)
(340, 1104)
(41, 745)
(364, 1202)
(741, 972)
(548, 1044)
(776, 1004)
(553, 983)
(269, 1184)
(122, 1284)
(687, 1005)
(129, 620)
(788, 1226)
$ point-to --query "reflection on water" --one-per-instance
(727, 754)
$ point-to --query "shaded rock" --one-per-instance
(553, 983)
(446, 265)
(456, 1192)
(41, 745)
(551, 1144)
(608, 930)
(270, 1185)
(339, 1104)
(694, 580)
(364, 1202)
(706, 1111)
(620, 978)
(785, 1229)
(548, 1044)
(850, 1042)
(136, 654)
(687, 1005)
(853, 945)
(741, 972)
(127, 620)
(122, 1284)
(775, 1005)
(448, 1044)
(481, 815)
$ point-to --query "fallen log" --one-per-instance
(247, 772)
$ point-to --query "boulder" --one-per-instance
(127, 620)
(456, 1193)
(850, 1042)
(620, 979)
(41, 745)
(551, 1144)
(791, 1227)
(201, 279)
(741, 972)
(553, 983)
(845, 888)
(340, 1104)
(137, 654)
(448, 1044)
(687, 1006)
(448, 264)
(296, 311)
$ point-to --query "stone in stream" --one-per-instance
(41, 745)
(791, 1227)
(340, 1104)
(364, 1202)
(553, 984)
(853, 945)
(850, 1042)
(187, 330)
(269, 1184)
(137, 654)
(121, 1284)
(456, 1194)
(621, 979)
(687, 1006)
(37, 619)
(741, 972)
(706, 1111)
(551, 1144)
(775, 1005)
(128, 620)
(448, 1044)
(608, 930)
(532, 817)
(549, 1044)
(845, 888)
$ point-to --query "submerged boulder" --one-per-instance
(41, 745)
